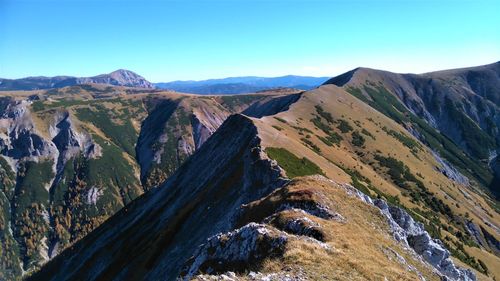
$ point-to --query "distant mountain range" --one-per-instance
(119, 77)
(122, 77)
(246, 84)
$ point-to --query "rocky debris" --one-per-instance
(413, 234)
(450, 171)
(254, 276)
(299, 224)
(68, 140)
(393, 255)
(93, 194)
(313, 208)
(200, 132)
(237, 250)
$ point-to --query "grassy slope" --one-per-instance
(434, 203)
(350, 257)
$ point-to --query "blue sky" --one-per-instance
(171, 40)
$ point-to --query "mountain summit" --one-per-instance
(120, 77)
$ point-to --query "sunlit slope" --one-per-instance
(351, 141)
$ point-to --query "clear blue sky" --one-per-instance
(170, 40)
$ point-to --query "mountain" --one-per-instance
(463, 104)
(119, 77)
(345, 181)
(247, 84)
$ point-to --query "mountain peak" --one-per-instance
(122, 71)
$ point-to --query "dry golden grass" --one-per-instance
(342, 105)
(358, 248)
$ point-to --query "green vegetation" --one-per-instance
(31, 197)
(326, 115)
(358, 180)
(320, 125)
(280, 119)
(301, 130)
(122, 132)
(344, 126)
(9, 250)
(390, 106)
(309, 143)
(38, 106)
(367, 133)
(412, 144)
(109, 177)
(332, 137)
(277, 127)
(171, 158)
(357, 139)
(402, 177)
(293, 165)
(459, 252)
(478, 142)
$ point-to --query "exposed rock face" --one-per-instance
(412, 234)
(70, 142)
(42, 187)
(173, 130)
(152, 132)
(236, 250)
(205, 121)
(19, 138)
(406, 230)
(450, 171)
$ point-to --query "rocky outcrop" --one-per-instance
(18, 136)
(236, 250)
(412, 233)
(205, 121)
(449, 171)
